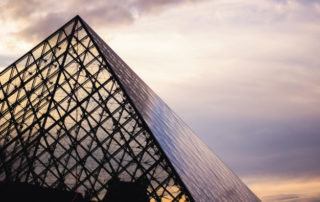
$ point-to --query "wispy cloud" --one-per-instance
(247, 74)
(4, 61)
(277, 188)
(243, 74)
(39, 18)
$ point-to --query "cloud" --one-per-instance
(243, 74)
(282, 197)
(41, 28)
(40, 18)
(292, 198)
(5, 61)
(150, 6)
(260, 147)
(277, 188)
(250, 89)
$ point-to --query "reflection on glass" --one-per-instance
(74, 117)
(66, 124)
(203, 173)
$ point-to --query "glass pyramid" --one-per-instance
(75, 117)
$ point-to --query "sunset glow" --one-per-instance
(243, 74)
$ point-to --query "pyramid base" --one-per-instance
(20, 192)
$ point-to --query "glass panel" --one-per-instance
(21, 64)
(75, 129)
(37, 52)
(53, 40)
(5, 75)
(191, 158)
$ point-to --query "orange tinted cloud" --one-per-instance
(285, 189)
(243, 74)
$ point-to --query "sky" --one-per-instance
(243, 74)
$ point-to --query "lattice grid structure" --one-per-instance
(66, 123)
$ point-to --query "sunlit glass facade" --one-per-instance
(75, 117)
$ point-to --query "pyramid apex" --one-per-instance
(77, 17)
(72, 112)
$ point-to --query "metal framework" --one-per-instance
(66, 123)
(74, 117)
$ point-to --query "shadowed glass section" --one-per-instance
(67, 124)
(203, 173)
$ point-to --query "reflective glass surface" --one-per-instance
(66, 123)
(75, 117)
(203, 173)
